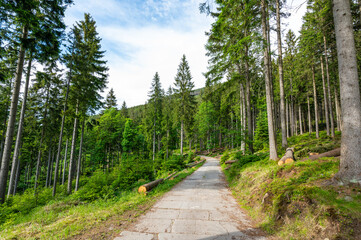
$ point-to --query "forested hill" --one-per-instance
(71, 160)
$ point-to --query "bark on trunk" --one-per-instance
(271, 133)
(65, 156)
(309, 115)
(72, 152)
(248, 101)
(153, 141)
(182, 133)
(280, 72)
(329, 103)
(350, 164)
(61, 140)
(315, 102)
(79, 157)
(242, 109)
(20, 131)
(41, 144)
(300, 118)
(48, 170)
(338, 111)
(325, 99)
(4, 171)
(287, 125)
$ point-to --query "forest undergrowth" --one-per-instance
(296, 201)
(99, 210)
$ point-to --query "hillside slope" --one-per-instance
(297, 201)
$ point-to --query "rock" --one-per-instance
(348, 199)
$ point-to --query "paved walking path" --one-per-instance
(199, 208)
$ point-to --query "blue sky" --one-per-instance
(142, 37)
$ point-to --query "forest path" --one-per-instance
(200, 207)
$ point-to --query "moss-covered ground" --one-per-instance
(296, 201)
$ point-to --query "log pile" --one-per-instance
(288, 158)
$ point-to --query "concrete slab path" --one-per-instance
(201, 207)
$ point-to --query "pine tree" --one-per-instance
(111, 100)
(44, 20)
(124, 110)
(185, 99)
(155, 102)
(89, 76)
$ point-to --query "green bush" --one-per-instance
(225, 156)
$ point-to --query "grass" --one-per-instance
(65, 218)
(295, 201)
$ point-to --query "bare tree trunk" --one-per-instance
(61, 140)
(248, 101)
(300, 118)
(271, 133)
(350, 164)
(287, 125)
(182, 133)
(79, 157)
(51, 167)
(242, 112)
(153, 141)
(294, 110)
(41, 144)
(280, 72)
(329, 103)
(325, 99)
(17, 177)
(309, 114)
(20, 131)
(65, 156)
(4, 171)
(292, 123)
(338, 110)
(48, 170)
(315, 102)
(72, 151)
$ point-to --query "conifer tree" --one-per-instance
(44, 20)
(111, 100)
(89, 76)
(155, 101)
(124, 110)
(185, 99)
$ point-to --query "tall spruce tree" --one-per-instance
(185, 99)
(89, 77)
(111, 100)
(43, 19)
(155, 101)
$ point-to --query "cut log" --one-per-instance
(173, 177)
(289, 161)
(230, 161)
(333, 153)
(170, 176)
(149, 186)
(228, 167)
(193, 164)
(287, 158)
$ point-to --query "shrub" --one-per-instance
(225, 156)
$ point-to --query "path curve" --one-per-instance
(201, 207)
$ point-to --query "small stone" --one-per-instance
(348, 199)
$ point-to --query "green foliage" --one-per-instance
(261, 132)
(225, 156)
